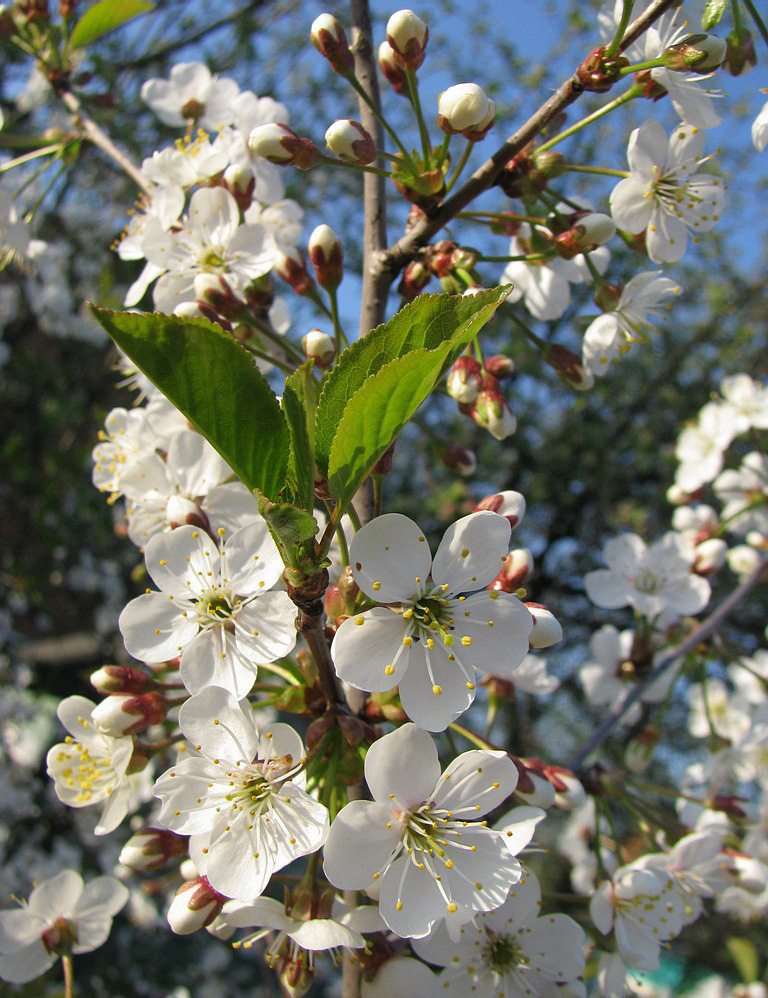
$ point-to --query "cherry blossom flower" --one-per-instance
(191, 92)
(748, 400)
(511, 951)
(432, 642)
(612, 333)
(545, 284)
(701, 446)
(63, 916)
(643, 909)
(209, 240)
(90, 767)
(745, 494)
(656, 580)
(213, 608)
(240, 798)
(421, 839)
(127, 437)
(402, 975)
(662, 195)
(760, 129)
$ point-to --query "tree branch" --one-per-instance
(94, 134)
(404, 250)
(375, 279)
(703, 631)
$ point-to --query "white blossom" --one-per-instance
(191, 92)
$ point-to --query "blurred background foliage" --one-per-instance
(590, 465)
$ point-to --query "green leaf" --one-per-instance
(713, 13)
(376, 414)
(429, 322)
(293, 530)
(299, 410)
(104, 17)
(214, 381)
(744, 955)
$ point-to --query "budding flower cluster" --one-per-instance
(465, 108)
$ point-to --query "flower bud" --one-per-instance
(196, 905)
(348, 587)
(330, 40)
(491, 412)
(408, 34)
(743, 559)
(532, 785)
(291, 268)
(335, 606)
(551, 163)
(701, 53)
(126, 714)
(597, 73)
(508, 503)
(460, 459)
(465, 380)
(60, 937)
(121, 679)
(319, 347)
(590, 231)
(348, 140)
(638, 754)
(416, 277)
(439, 257)
(752, 874)
(569, 367)
(516, 573)
(189, 310)
(465, 108)
(240, 181)
(213, 290)
(710, 556)
(546, 627)
(180, 512)
(327, 257)
(392, 71)
(279, 144)
(151, 848)
(677, 496)
(569, 793)
(500, 366)
(741, 55)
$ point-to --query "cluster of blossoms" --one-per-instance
(235, 629)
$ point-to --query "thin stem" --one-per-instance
(338, 330)
(263, 355)
(99, 138)
(634, 91)
(537, 340)
(352, 514)
(354, 83)
(638, 67)
(738, 25)
(358, 168)
(28, 156)
(602, 170)
(69, 977)
(759, 22)
(310, 626)
(478, 740)
(443, 151)
(413, 91)
(280, 671)
(701, 633)
(626, 13)
(509, 259)
(341, 537)
(460, 165)
(378, 489)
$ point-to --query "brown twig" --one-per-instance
(375, 281)
(404, 250)
(99, 138)
(701, 633)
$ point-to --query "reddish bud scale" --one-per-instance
(416, 277)
(439, 257)
(568, 366)
(459, 458)
(293, 270)
(651, 89)
(597, 73)
(151, 848)
(741, 55)
(393, 73)
(500, 366)
(517, 572)
(330, 40)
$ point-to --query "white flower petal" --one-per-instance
(402, 768)
(346, 865)
(471, 552)
(388, 555)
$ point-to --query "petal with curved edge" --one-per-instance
(154, 628)
(57, 897)
(221, 726)
(475, 783)
(26, 964)
(368, 650)
(472, 551)
(402, 768)
(361, 842)
(388, 556)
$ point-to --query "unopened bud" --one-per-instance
(196, 905)
(279, 144)
(500, 366)
(516, 573)
(465, 380)
(240, 181)
(465, 108)
(291, 268)
(121, 679)
(348, 588)
(439, 257)
(607, 296)
(569, 793)
(330, 40)
(408, 35)
(590, 231)
(491, 412)
(508, 503)
(551, 163)
(532, 784)
(327, 257)
(569, 367)
(752, 873)
(392, 71)
(710, 555)
(546, 627)
(152, 848)
(743, 559)
(335, 606)
(506, 223)
(189, 310)
(348, 140)
(416, 277)
(126, 714)
(67, 9)
(741, 55)
(460, 459)
(638, 754)
(701, 53)
(180, 512)
(597, 73)
(319, 347)
(213, 290)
